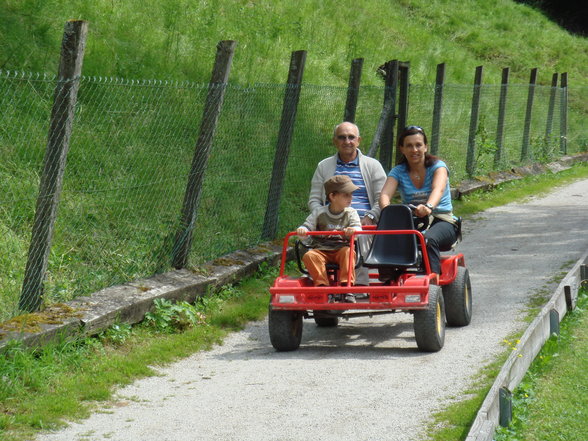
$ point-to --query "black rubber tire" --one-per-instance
(429, 324)
(285, 329)
(458, 299)
(326, 322)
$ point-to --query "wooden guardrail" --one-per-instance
(497, 407)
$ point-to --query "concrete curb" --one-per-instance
(128, 303)
(496, 405)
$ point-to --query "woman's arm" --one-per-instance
(388, 191)
(438, 186)
(437, 189)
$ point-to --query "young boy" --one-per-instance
(336, 215)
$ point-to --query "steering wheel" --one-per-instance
(420, 223)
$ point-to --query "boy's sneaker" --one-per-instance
(349, 298)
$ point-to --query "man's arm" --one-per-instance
(377, 180)
(315, 198)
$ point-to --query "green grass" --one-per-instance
(127, 167)
(133, 141)
(181, 35)
(454, 422)
(42, 388)
(551, 402)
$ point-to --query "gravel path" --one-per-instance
(364, 380)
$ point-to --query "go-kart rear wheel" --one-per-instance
(458, 299)
(285, 329)
(429, 324)
(325, 321)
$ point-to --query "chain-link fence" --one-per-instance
(131, 152)
(545, 131)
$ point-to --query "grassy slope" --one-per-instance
(175, 39)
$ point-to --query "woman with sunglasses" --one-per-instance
(423, 182)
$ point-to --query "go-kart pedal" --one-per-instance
(342, 298)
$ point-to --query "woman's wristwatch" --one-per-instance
(429, 206)
(370, 216)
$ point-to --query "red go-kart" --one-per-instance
(403, 283)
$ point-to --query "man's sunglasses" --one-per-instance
(345, 137)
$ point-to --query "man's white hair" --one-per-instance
(344, 122)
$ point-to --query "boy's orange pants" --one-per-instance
(315, 261)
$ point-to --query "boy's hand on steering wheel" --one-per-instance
(349, 231)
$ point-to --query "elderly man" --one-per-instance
(365, 172)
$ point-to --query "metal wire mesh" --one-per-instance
(131, 152)
(456, 117)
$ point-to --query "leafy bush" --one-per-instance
(117, 334)
(169, 317)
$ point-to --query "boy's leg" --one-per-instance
(341, 257)
(315, 261)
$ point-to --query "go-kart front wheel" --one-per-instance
(285, 329)
(458, 299)
(429, 324)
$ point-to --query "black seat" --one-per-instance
(393, 253)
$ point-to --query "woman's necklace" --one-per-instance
(416, 176)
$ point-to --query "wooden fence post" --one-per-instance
(525, 150)
(384, 136)
(353, 90)
(437, 109)
(212, 108)
(471, 154)
(499, 153)
(62, 116)
(563, 125)
(404, 83)
(550, 110)
(291, 97)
